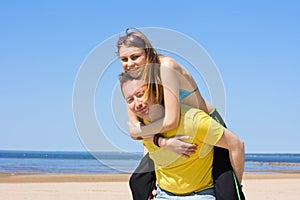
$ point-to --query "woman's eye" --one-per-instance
(124, 59)
(134, 57)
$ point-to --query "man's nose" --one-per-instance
(138, 103)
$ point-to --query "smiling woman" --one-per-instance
(165, 79)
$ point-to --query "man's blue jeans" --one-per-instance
(208, 194)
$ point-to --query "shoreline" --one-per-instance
(86, 178)
(61, 178)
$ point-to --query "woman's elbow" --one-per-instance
(170, 125)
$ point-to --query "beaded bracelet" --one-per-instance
(156, 138)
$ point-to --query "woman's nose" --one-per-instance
(130, 64)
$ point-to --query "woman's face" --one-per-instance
(132, 57)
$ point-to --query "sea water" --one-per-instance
(44, 162)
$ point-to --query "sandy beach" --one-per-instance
(115, 186)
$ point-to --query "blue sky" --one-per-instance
(255, 46)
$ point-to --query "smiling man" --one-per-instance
(179, 176)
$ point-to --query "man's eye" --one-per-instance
(124, 59)
(130, 100)
(140, 94)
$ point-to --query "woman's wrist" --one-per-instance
(159, 140)
(162, 141)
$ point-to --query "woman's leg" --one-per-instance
(223, 175)
(143, 180)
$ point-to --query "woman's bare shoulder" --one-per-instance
(168, 61)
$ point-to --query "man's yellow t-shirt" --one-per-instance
(180, 175)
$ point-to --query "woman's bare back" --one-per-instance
(188, 83)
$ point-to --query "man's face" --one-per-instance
(134, 91)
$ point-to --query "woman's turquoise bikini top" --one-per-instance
(185, 93)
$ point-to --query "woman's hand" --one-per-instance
(177, 145)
